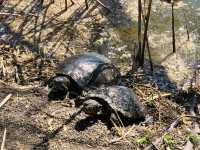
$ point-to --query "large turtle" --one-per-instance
(82, 72)
(112, 103)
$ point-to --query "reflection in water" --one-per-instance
(181, 66)
(187, 13)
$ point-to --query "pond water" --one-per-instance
(187, 16)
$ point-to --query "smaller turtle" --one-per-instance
(115, 103)
(82, 72)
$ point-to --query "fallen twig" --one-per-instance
(125, 134)
(172, 126)
(17, 14)
(139, 91)
(68, 49)
(175, 123)
(186, 26)
(145, 37)
(173, 30)
(4, 139)
(122, 137)
(104, 5)
(20, 88)
(28, 88)
(139, 52)
(161, 95)
(5, 100)
(86, 4)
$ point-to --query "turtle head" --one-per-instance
(58, 88)
(92, 107)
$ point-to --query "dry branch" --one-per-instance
(138, 57)
(176, 122)
(186, 26)
(5, 100)
(86, 4)
(173, 30)
(122, 137)
(155, 143)
(17, 14)
(145, 32)
(139, 91)
(20, 88)
(104, 6)
(147, 39)
(4, 139)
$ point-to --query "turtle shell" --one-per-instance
(81, 67)
(119, 99)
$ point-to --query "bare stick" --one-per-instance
(145, 32)
(86, 4)
(133, 55)
(5, 100)
(20, 88)
(17, 14)
(68, 49)
(66, 6)
(149, 53)
(176, 122)
(122, 137)
(72, 2)
(173, 125)
(186, 26)
(4, 139)
(147, 39)
(138, 57)
(139, 91)
(104, 5)
(173, 30)
(119, 119)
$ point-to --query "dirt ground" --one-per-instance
(32, 122)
